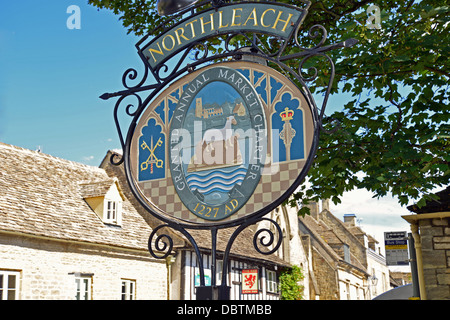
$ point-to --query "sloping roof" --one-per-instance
(315, 229)
(43, 196)
(91, 189)
(330, 241)
(440, 205)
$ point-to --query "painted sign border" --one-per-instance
(174, 214)
(234, 17)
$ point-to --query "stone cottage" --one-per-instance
(345, 260)
(67, 231)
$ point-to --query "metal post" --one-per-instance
(213, 256)
(211, 292)
(413, 264)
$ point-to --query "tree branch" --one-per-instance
(400, 112)
(441, 72)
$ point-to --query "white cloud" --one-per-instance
(88, 158)
(378, 215)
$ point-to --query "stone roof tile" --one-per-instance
(43, 196)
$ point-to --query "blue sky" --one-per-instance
(51, 78)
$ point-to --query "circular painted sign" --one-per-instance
(221, 144)
(216, 143)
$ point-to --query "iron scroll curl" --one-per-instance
(260, 237)
(162, 246)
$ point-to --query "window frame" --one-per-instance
(347, 289)
(130, 289)
(78, 281)
(112, 211)
(219, 270)
(271, 281)
(5, 284)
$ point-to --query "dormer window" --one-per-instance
(105, 199)
(112, 211)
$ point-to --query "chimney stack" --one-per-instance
(326, 204)
(314, 210)
(350, 219)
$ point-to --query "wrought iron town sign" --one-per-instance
(223, 135)
(269, 18)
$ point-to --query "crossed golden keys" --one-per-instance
(152, 159)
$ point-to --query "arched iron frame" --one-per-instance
(200, 55)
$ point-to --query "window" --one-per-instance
(361, 293)
(219, 269)
(83, 287)
(9, 285)
(112, 212)
(272, 281)
(346, 249)
(128, 289)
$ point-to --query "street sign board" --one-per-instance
(228, 130)
(396, 246)
(249, 281)
(222, 143)
(274, 19)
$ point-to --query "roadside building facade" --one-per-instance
(345, 260)
(68, 232)
(71, 231)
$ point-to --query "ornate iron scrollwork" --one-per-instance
(247, 44)
(162, 243)
(260, 237)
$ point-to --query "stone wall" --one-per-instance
(356, 247)
(47, 269)
(435, 237)
(326, 275)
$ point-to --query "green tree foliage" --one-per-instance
(290, 286)
(393, 129)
